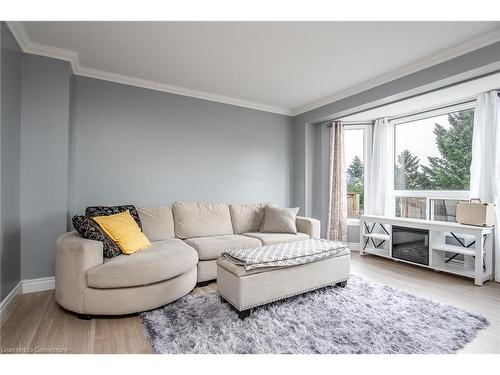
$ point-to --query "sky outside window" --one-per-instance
(353, 145)
(418, 137)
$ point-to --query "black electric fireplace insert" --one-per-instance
(410, 244)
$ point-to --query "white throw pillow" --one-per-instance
(280, 220)
(248, 217)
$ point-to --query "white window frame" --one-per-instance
(367, 140)
(428, 194)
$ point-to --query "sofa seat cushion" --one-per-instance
(209, 248)
(274, 238)
(162, 261)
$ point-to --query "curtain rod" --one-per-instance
(348, 123)
(470, 101)
(329, 123)
(408, 114)
(411, 114)
(431, 110)
(427, 92)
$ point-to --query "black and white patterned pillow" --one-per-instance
(112, 210)
(89, 229)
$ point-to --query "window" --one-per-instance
(411, 207)
(432, 163)
(416, 208)
(354, 161)
(444, 209)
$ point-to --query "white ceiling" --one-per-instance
(284, 67)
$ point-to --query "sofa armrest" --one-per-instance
(309, 226)
(74, 257)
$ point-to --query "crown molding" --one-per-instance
(73, 58)
(17, 29)
(437, 58)
(158, 86)
(28, 46)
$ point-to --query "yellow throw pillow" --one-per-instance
(123, 229)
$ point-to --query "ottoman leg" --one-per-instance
(342, 284)
(244, 314)
(201, 284)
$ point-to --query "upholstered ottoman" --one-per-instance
(245, 289)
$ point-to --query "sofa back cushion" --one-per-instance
(157, 222)
(197, 219)
(247, 217)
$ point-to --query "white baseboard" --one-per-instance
(4, 304)
(354, 246)
(26, 286)
(38, 285)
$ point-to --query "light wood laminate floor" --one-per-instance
(35, 323)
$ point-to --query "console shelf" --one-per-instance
(459, 249)
(378, 236)
(455, 249)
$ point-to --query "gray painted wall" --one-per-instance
(10, 147)
(45, 99)
(320, 170)
(306, 153)
(85, 141)
(152, 148)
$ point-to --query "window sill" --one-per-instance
(352, 222)
(433, 194)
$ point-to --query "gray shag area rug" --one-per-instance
(363, 317)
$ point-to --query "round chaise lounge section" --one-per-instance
(187, 239)
(89, 284)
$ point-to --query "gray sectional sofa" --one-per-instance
(187, 239)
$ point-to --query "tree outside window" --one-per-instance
(355, 187)
(353, 144)
(432, 154)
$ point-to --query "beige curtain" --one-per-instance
(337, 209)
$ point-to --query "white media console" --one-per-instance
(464, 250)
